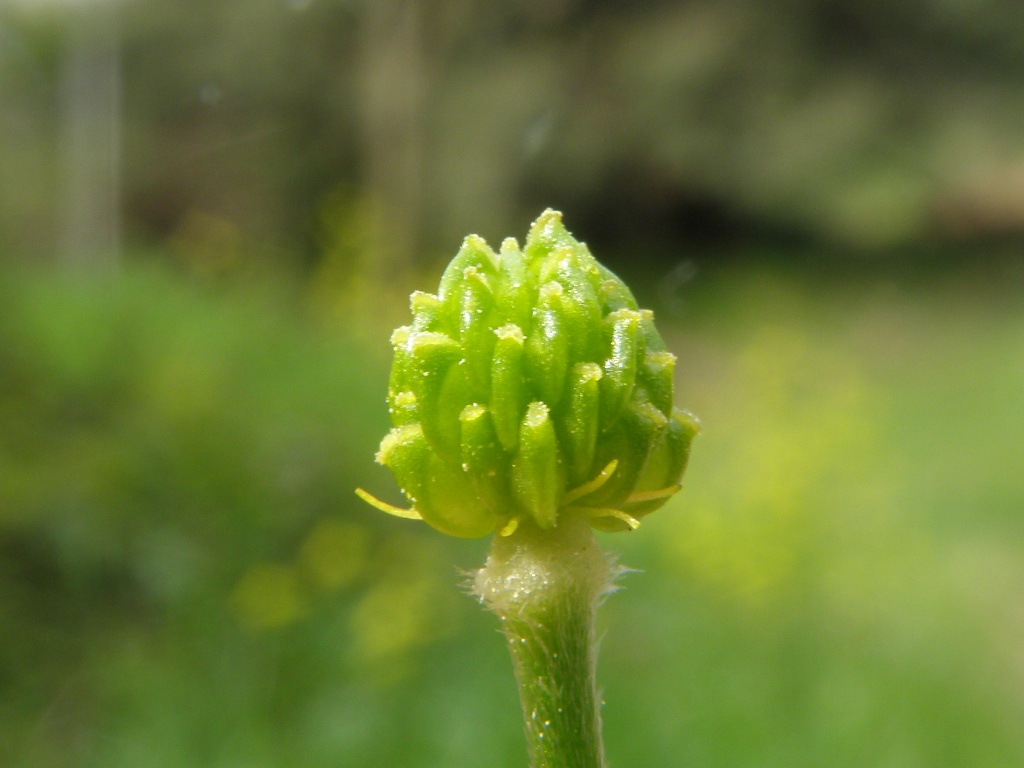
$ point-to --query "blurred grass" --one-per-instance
(186, 578)
(844, 567)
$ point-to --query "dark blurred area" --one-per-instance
(852, 127)
(210, 214)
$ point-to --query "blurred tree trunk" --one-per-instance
(393, 76)
(90, 151)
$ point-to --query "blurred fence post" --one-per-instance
(392, 65)
(90, 139)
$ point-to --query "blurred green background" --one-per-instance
(210, 211)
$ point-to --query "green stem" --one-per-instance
(545, 587)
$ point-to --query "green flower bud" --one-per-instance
(532, 386)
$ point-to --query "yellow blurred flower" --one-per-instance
(268, 596)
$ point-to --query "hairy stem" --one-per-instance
(545, 587)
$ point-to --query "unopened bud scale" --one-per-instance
(529, 387)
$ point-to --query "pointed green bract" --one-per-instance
(538, 478)
(579, 425)
(406, 453)
(476, 302)
(483, 457)
(665, 464)
(656, 375)
(426, 311)
(621, 331)
(514, 290)
(629, 442)
(435, 375)
(508, 384)
(530, 386)
(452, 505)
(547, 346)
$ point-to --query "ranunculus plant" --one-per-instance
(532, 399)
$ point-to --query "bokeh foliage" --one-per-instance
(177, 470)
(862, 126)
(187, 578)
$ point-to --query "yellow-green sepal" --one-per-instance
(451, 504)
(581, 310)
(513, 296)
(629, 443)
(661, 476)
(436, 379)
(656, 374)
(581, 421)
(537, 475)
(439, 491)
(473, 302)
(546, 234)
(474, 253)
(398, 379)
(403, 408)
(426, 312)
(614, 293)
(621, 331)
(509, 395)
(406, 452)
(483, 458)
(547, 346)
(663, 473)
